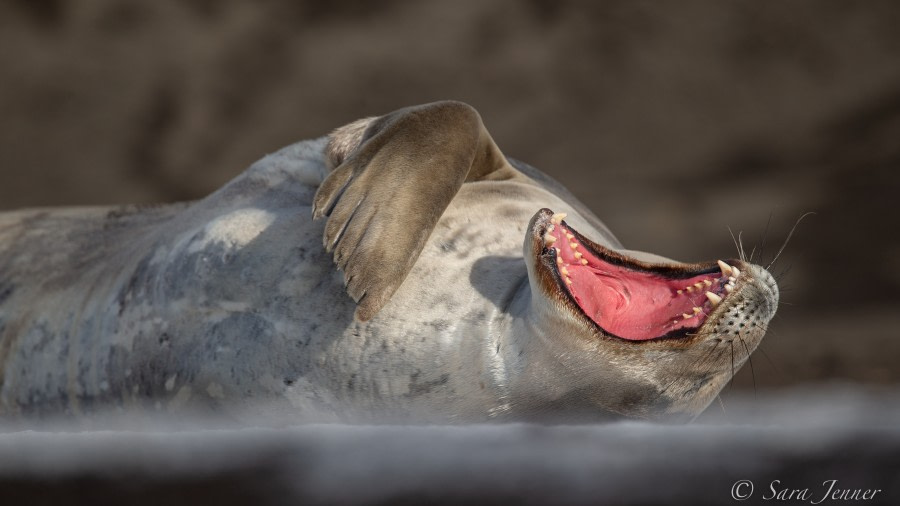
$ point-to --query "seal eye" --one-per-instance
(629, 299)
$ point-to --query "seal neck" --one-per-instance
(545, 365)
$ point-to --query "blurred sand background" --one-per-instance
(673, 121)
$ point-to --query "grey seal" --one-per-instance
(400, 269)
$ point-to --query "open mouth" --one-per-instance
(630, 299)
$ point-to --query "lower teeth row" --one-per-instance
(729, 271)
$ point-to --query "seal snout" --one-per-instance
(540, 222)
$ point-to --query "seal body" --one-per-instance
(233, 302)
(232, 299)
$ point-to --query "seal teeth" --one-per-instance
(559, 260)
(686, 316)
(729, 287)
(564, 271)
(584, 261)
(707, 282)
(549, 238)
(557, 218)
(578, 255)
(726, 269)
(713, 298)
(573, 245)
(697, 310)
(698, 285)
(736, 272)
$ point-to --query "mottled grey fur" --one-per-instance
(232, 302)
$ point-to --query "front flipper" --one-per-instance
(393, 178)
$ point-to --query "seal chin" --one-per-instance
(627, 298)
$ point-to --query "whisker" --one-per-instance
(762, 246)
(772, 363)
(784, 272)
(693, 366)
(790, 234)
(703, 359)
(722, 404)
(750, 359)
(736, 245)
(731, 383)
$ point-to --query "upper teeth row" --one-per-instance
(727, 270)
(556, 219)
(732, 272)
(550, 239)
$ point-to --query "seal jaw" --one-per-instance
(626, 298)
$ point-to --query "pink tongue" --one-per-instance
(634, 305)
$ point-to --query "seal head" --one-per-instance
(668, 335)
